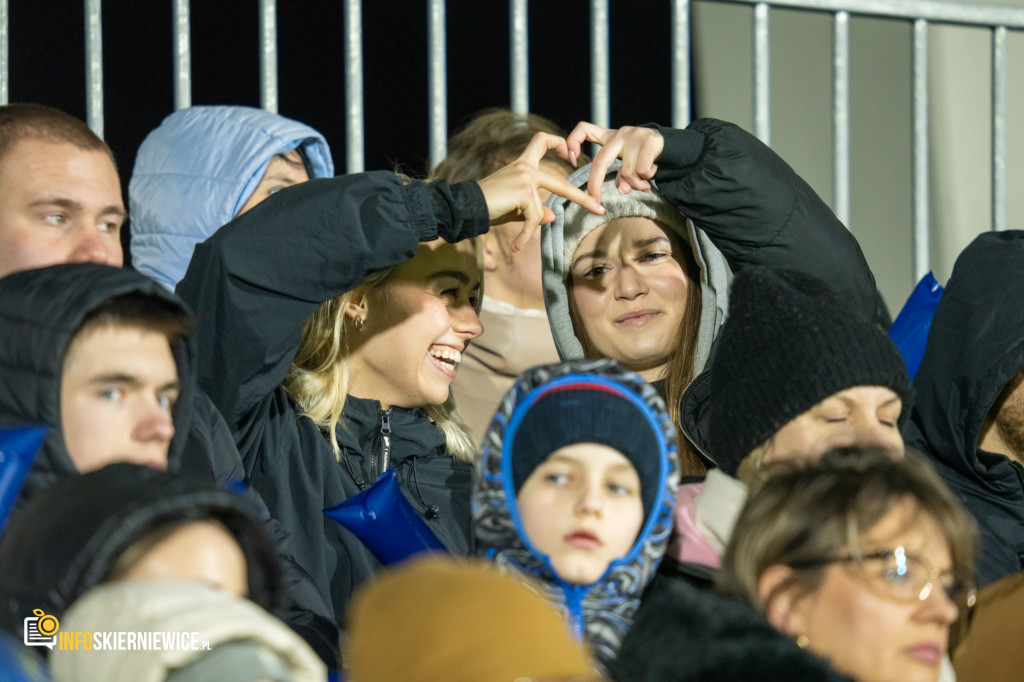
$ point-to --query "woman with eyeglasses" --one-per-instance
(853, 568)
(864, 561)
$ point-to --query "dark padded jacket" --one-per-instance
(253, 285)
(686, 633)
(975, 346)
(40, 310)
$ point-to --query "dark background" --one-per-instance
(47, 43)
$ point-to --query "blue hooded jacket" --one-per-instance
(195, 171)
(602, 612)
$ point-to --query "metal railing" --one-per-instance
(921, 14)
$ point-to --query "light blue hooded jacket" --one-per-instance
(195, 171)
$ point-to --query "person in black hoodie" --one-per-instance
(968, 414)
(58, 368)
(332, 320)
(152, 533)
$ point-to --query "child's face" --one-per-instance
(202, 551)
(116, 393)
(582, 508)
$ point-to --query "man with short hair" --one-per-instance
(60, 195)
(969, 405)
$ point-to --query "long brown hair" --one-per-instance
(680, 370)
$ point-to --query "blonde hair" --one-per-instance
(320, 374)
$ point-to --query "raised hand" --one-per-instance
(637, 147)
(511, 192)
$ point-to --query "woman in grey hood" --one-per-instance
(646, 282)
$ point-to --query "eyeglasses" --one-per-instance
(903, 576)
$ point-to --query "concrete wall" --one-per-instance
(881, 122)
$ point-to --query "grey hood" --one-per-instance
(560, 238)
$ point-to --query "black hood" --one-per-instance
(40, 310)
(975, 346)
(68, 539)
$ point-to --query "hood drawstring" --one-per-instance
(433, 511)
(359, 480)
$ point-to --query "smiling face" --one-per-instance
(284, 170)
(853, 620)
(117, 390)
(582, 508)
(415, 327)
(629, 291)
(862, 416)
(59, 203)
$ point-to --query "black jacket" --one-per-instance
(975, 346)
(758, 210)
(693, 634)
(253, 285)
(40, 310)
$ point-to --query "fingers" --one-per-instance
(540, 145)
(638, 148)
(585, 132)
(535, 213)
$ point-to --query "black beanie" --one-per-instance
(588, 410)
(789, 343)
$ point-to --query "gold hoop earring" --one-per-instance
(358, 324)
(802, 641)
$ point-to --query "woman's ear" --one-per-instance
(779, 598)
(490, 248)
(357, 307)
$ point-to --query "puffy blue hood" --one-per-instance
(194, 172)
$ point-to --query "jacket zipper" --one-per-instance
(384, 459)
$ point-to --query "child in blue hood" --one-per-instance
(575, 487)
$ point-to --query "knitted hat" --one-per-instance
(459, 621)
(579, 222)
(587, 409)
(788, 344)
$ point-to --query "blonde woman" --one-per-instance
(332, 319)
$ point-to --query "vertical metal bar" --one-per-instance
(762, 122)
(437, 86)
(680, 63)
(94, 66)
(920, 249)
(353, 87)
(999, 128)
(600, 89)
(182, 55)
(519, 37)
(841, 116)
(5, 43)
(268, 55)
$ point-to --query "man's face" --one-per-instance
(58, 204)
(116, 393)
